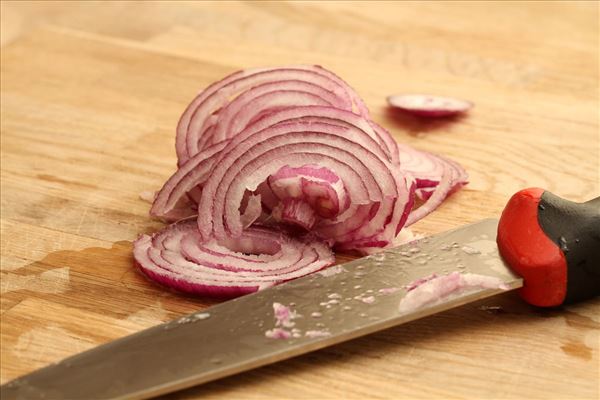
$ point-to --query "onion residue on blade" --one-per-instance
(276, 168)
(434, 288)
(365, 299)
(470, 250)
(278, 333)
(330, 271)
(406, 235)
(284, 323)
(317, 333)
(418, 282)
(390, 290)
(368, 299)
(285, 326)
(284, 316)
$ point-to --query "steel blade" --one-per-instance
(195, 349)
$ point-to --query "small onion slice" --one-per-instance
(429, 106)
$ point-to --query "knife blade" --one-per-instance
(230, 337)
(552, 244)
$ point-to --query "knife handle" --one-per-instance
(553, 244)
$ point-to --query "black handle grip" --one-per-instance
(554, 244)
(575, 228)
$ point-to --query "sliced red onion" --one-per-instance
(425, 167)
(286, 135)
(193, 123)
(252, 210)
(368, 237)
(215, 270)
(255, 109)
(262, 154)
(332, 116)
(250, 105)
(428, 169)
(327, 199)
(429, 106)
(268, 153)
(437, 197)
(387, 138)
(295, 211)
(193, 173)
(320, 188)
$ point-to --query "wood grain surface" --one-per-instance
(91, 93)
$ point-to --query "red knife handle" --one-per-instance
(553, 244)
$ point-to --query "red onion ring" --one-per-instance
(320, 188)
(250, 105)
(267, 151)
(176, 258)
(435, 199)
(193, 123)
(188, 176)
(336, 117)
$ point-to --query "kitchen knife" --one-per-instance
(545, 245)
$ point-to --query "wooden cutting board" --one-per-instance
(91, 95)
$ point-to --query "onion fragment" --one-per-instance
(429, 106)
(434, 288)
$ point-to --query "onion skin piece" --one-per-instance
(429, 106)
